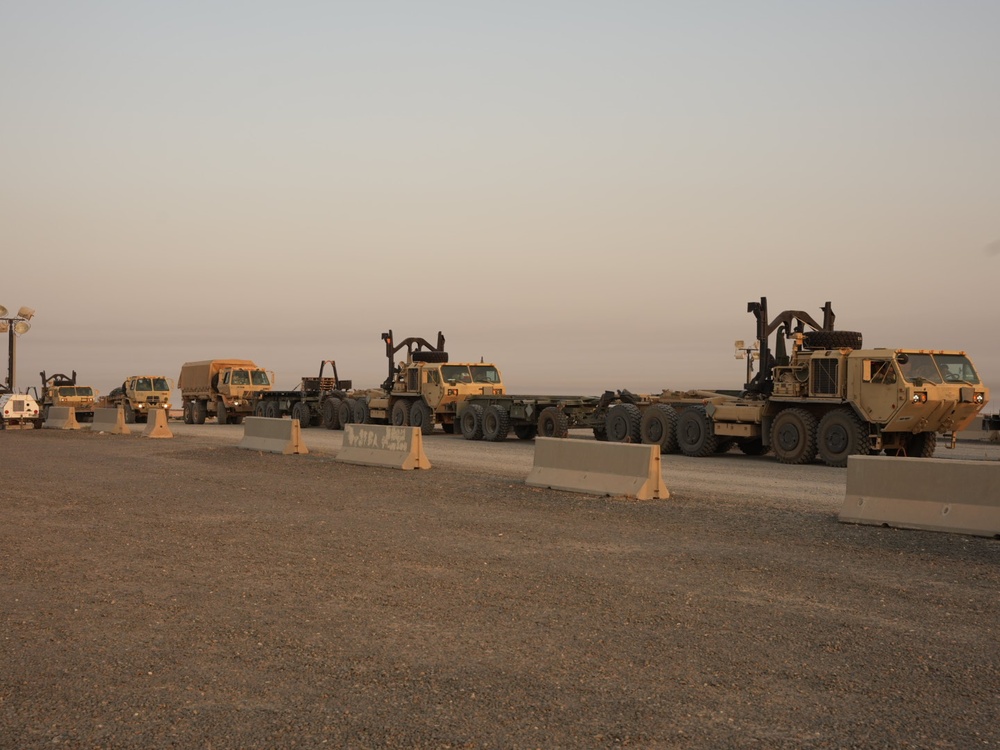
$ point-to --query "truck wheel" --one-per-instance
(331, 413)
(658, 426)
(260, 409)
(401, 413)
(472, 422)
(841, 434)
(272, 410)
(448, 427)
(221, 413)
(695, 435)
(753, 447)
(600, 432)
(188, 416)
(199, 411)
(346, 412)
(553, 423)
(420, 416)
(832, 340)
(793, 436)
(238, 419)
(922, 445)
(525, 431)
(362, 414)
(496, 423)
(622, 423)
(129, 414)
(301, 412)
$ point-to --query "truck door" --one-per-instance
(433, 390)
(881, 391)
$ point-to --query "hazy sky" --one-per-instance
(585, 193)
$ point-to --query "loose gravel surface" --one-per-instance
(186, 593)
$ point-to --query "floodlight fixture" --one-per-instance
(21, 327)
(3, 311)
(26, 312)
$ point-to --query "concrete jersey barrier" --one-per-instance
(598, 468)
(111, 421)
(384, 445)
(962, 497)
(156, 425)
(61, 418)
(272, 435)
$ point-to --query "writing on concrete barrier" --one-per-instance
(384, 438)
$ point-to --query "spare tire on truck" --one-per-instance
(433, 357)
(831, 340)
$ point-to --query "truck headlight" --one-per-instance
(980, 398)
(919, 398)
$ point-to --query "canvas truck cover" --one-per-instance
(198, 375)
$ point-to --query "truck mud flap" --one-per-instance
(111, 421)
(156, 425)
(598, 468)
(282, 436)
(384, 445)
(61, 418)
(961, 497)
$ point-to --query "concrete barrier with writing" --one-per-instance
(598, 468)
(383, 445)
(962, 497)
(156, 425)
(111, 421)
(61, 418)
(272, 435)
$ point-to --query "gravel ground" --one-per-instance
(185, 593)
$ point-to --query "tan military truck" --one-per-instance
(63, 390)
(224, 388)
(420, 391)
(139, 395)
(829, 398)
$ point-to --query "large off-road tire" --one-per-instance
(922, 445)
(300, 411)
(832, 340)
(199, 411)
(421, 416)
(400, 414)
(601, 432)
(724, 446)
(525, 431)
(238, 419)
(362, 413)
(448, 427)
(260, 409)
(753, 446)
(695, 435)
(841, 434)
(129, 414)
(622, 423)
(221, 414)
(658, 426)
(272, 410)
(553, 423)
(793, 436)
(496, 423)
(345, 413)
(426, 356)
(471, 422)
(331, 413)
(186, 410)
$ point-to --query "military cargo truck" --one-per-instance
(420, 391)
(63, 390)
(316, 401)
(224, 388)
(139, 395)
(828, 397)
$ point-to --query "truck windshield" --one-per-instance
(143, 384)
(239, 377)
(260, 378)
(456, 373)
(484, 374)
(85, 391)
(956, 369)
(919, 367)
(160, 384)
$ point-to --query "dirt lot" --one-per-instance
(185, 593)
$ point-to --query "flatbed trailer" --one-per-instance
(493, 417)
(315, 402)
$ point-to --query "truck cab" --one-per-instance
(62, 390)
(140, 395)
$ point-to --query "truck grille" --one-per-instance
(824, 377)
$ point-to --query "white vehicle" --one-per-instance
(18, 409)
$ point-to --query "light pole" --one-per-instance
(14, 325)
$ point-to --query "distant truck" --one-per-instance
(139, 395)
(421, 391)
(226, 389)
(63, 390)
(19, 409)
(316, 401)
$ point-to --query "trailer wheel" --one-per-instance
(658, 426)
(600, 432)
(272, 410)
(345, 412)
(129, 414)
(841, 434)
(362, 414)
(300, 411)
(260, 409)
(420, 416)
(472, 422)
(525, 431)
(622, 423)
(221, 415)
(331, 413)
(496, 423)
(553, 423)
(793, 436)
(695, 435)
(188, 416)
(401, 413)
